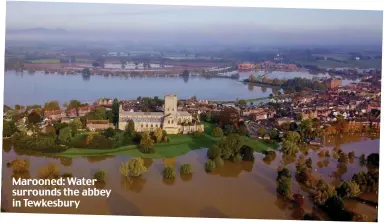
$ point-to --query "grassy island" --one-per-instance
(177, 145)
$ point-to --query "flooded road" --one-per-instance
(244, 190)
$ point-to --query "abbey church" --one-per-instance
(171, 120)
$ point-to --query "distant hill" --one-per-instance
(37, 31)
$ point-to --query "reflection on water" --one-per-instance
(40, 88)
(134, 184)
(237, 190)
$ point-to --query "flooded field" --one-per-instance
(244, 190)
(26, 89)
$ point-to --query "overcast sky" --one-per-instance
(210, 22)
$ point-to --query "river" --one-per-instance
(245, 190)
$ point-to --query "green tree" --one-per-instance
(186, 169)
(146, 143)
(284, 183)
(230, 145)
(290, 148)
(210, 165)
(273, 134)
(73, 104)
(213, 152)
(243, 130)
(136, 167)
(237, 158)
(131, 128)
(247, 153)
(109, 133)
(269, 156)
(293, 137)
(158, 135)
(100, 176)
(77, 123)
(52, 105)
(208, 117)
(217, 132)
(219, 162)
(348, 189)
(115, 112)
(33, 107)
(34, 117)
(109, 115)
(9, 128)
(97, 114)
(306, 128)
(322, 192)
(65, 135)
(367, 181)
(169, 172)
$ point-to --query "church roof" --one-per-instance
(133, 114)
(183, 113)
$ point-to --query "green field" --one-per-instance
(45, 61)
(259, 145)
(178, 145)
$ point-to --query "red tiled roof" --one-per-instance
(84, 109)
(53, 112)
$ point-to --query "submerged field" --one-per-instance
(236, 190)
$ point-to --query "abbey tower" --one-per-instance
(170, 114)
(170, 105)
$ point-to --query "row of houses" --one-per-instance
(71, 113)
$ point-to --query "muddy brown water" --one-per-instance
(244, 190)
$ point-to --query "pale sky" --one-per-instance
(209, 21)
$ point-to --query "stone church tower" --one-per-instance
(170, 105)
(170, 114)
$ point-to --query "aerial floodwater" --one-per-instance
(38, 88)
(249, 191)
